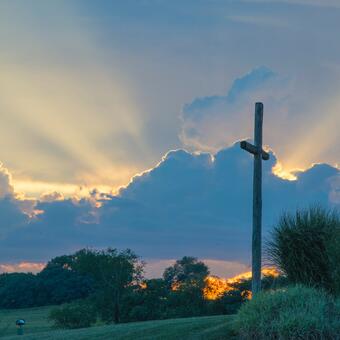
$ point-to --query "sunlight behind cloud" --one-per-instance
(90, 95)
(280, 172)
(301, 131)
(60, 117)
(319, 141)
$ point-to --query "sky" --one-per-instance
(120, 122)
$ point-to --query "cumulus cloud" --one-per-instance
(51, 196)
(211, 123)
(293, 120)
(189, 204)
(13, 211)
(6, 187)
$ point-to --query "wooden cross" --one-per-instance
(259, 155)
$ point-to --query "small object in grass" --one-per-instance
(20, 323)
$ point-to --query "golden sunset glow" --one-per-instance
(318, 142)
(60, 131)
(65, 123)
(39, 189)
(78, 119)
(216, 286)
(284, 174)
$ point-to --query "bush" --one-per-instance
(73, 315)
(305, 247)
(296, 312)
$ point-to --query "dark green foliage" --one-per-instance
(228, 303)
(186, 302)
(186, 272)
(273, 282)
(74, 315)
(333, 249)
(147, 302)
(111, 283)
(53, 285)
(113, 273)
(305, 246)
(289, 313)
(179, 294)
(18, 290)
(185, 281)
(63, 261)
(59, 285)
(233, 299)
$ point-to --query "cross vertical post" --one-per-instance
(257, 202)
(259, 155)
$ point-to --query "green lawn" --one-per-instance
(36, 320)
(38, 327)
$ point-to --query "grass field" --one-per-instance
(38, 327)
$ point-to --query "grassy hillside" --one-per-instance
(38, 327)
(36, 320)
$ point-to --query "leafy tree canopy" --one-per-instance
(186, 271)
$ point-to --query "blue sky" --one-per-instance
(92, 94)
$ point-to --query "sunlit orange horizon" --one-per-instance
(216, 286)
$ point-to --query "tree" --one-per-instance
(186, 281)
(59, 284)
(18, 290)
(148, 301)
(53, 285)
(113, 272)
(187, 271)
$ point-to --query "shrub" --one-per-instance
(296, 312)
(305, 246)
(73, 315)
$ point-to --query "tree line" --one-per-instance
(110, 285)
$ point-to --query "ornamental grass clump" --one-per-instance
(305, 246)
(295, 312)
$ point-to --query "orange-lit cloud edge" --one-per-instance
(47, 190)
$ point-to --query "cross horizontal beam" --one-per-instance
(254, 150)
